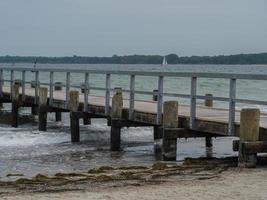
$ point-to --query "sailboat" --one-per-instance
(164, 62)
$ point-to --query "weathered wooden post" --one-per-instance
(116, 115)
(74, 118)
(208, 100)
(18, 82)
(15, 105)
(155, 95)
(249, 132)
(208, 103)
(34, 109)
(58, 87)
(42, 109)
(170, 120)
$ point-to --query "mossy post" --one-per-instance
(249, 132)
(15, 105)
(116, 115)
(73, 106)
(42, 109)
(170, 120)
(58, 87)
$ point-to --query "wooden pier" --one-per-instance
(169, 119)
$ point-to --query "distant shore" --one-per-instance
(241, 59)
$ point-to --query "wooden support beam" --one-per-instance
(170, 120)
(73, 105)
(116, 115)
(249, 132)
(251, 147)
(15, 105)
(42, 112)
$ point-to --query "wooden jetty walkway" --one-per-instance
(170, 120)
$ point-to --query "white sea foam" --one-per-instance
(27, 137)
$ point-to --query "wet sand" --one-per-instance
(195, 179)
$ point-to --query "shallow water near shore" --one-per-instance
(27, 151)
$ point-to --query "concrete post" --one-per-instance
(15, 105)
(249, 131)
(58, 87)
(74, 119)
(116, 115)
(42, 110)
(170, 120)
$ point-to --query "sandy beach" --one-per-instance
(232, 184)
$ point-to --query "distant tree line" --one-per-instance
(141, 59)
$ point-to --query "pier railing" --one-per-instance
(232, 100)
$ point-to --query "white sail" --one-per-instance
(164, 62)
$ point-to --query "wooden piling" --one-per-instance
(42, 109)
(170, 120)
(208, 100)
(249, 132)
(34, 109)
(86, 120)
(155, 95)
(157, 131)
(208, 140)
(58, 87)
(74, 119)
(116, 115)
(15, 105)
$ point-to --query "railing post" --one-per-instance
(131, 105)
(36, 86)
(51, 88)
(160, 99)
(232, 96)
(193, 102)
(67, 88)
(107, 96)
(11, 81)
(86, 91)
(23, 84)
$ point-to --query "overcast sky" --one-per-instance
(122, 27)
